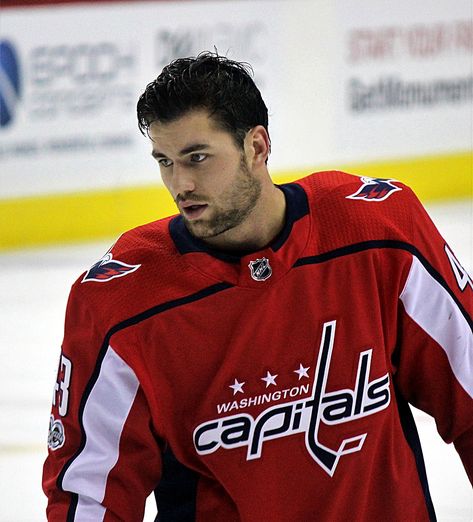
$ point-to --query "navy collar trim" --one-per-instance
(297, 207)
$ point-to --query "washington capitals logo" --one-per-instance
(333, 408)
(260, 269)
(108, 268)
(375, 189)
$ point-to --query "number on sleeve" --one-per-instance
(61, 388)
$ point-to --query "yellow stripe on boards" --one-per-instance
(66, 218)
(431, 178)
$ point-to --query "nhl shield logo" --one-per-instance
(260, 269)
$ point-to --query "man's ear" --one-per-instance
(258, 142)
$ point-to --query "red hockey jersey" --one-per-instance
(270, 385)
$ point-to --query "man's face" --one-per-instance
(205, 172)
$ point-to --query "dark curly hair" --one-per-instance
(222, 86)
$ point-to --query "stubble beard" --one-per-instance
(238, 202)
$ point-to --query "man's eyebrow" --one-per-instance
(157, 154)
(193, 148)
(183, 152)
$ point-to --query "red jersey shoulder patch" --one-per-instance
(108, 268)
(375, 189)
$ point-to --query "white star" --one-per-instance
(269, 379)
(302, 372)
(237, 387)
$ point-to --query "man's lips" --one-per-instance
(191, 209)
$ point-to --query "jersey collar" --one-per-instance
(280, 254)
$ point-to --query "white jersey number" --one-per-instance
(61, 388)
(461, 275)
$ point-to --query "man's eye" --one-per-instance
(164, 162)
(197, 158)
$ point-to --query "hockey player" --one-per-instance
(253, 357)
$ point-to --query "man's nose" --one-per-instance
(183, 180)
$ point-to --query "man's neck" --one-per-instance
(260, 227)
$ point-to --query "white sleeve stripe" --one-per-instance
(104, 416)
(88, 509)
(435, 311)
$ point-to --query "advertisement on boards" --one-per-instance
(68, 94)
(405, 77)
(345, 82)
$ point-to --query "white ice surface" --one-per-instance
(34, 286)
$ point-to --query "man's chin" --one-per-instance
(197, 229)
(200, 230)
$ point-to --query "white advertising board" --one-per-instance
(70, 120)
(344, 81)
(405, 78)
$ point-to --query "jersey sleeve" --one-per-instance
(434, 357)
(104, 458)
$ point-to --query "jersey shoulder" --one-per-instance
(143, 245)
(136, 273)
(347, 208)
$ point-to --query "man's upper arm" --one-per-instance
(435, 371)
(103, 459)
